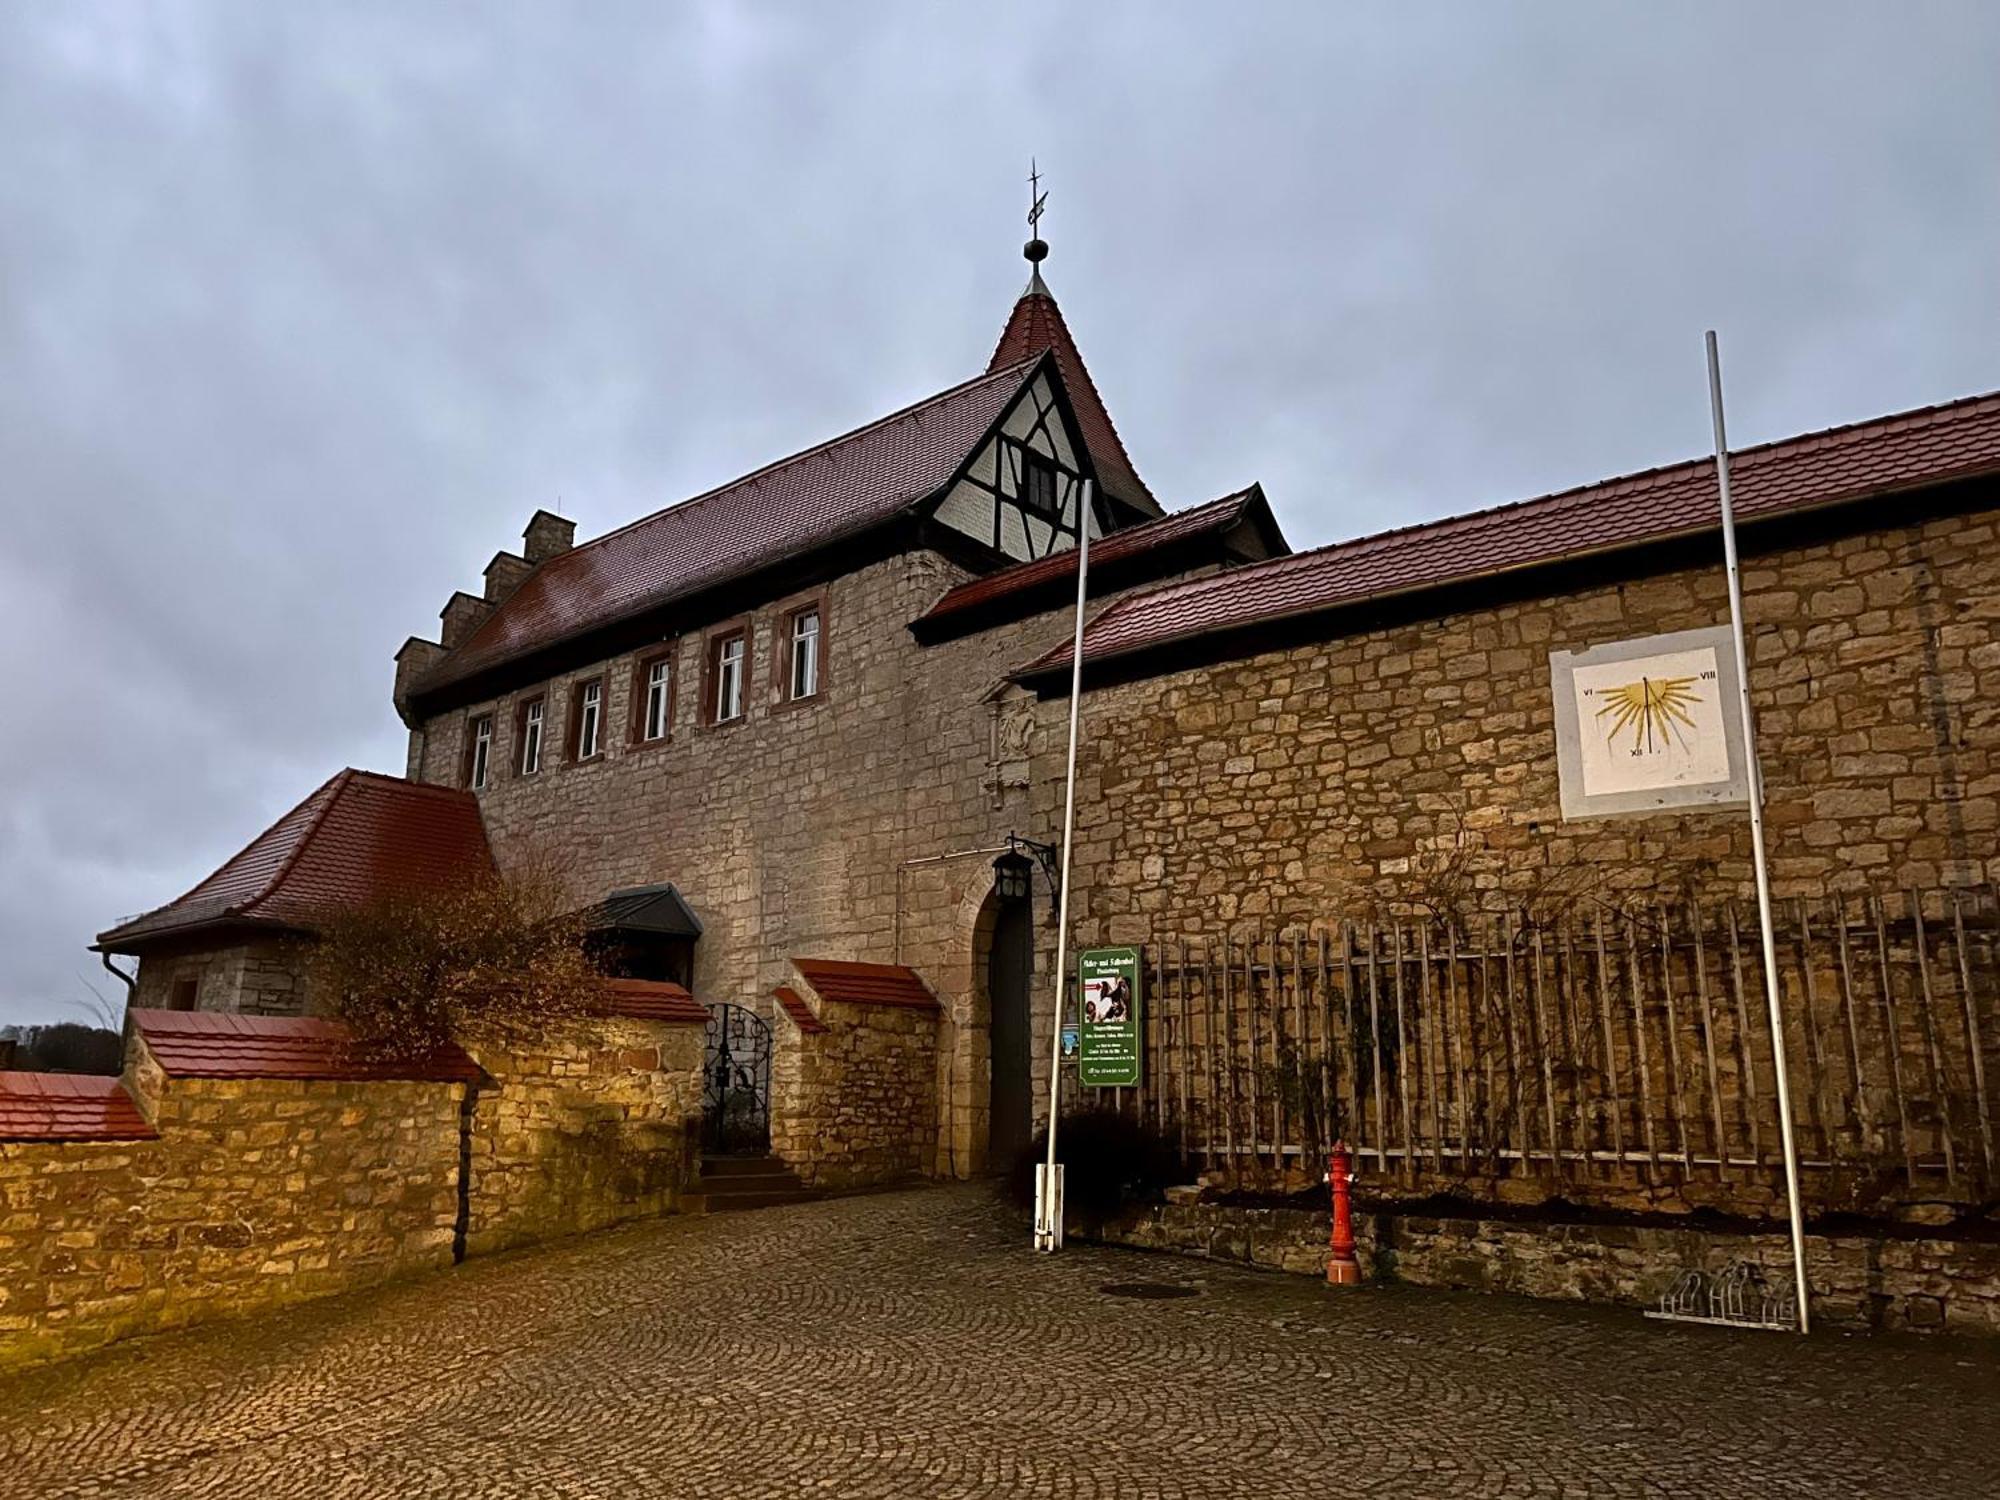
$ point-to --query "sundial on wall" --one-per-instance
(1644, 725)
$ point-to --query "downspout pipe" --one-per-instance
(130, 981)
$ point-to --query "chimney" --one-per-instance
(461, 615)
(548, 535)
(504, 575)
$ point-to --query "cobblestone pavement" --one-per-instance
(911, 1345)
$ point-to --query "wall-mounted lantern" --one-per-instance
(1013, 877)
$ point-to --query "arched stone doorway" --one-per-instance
(1010, 972)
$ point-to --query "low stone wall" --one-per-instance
(854, 1097)
(600, 1126)
(1859, 1281)
(261, 1191)
(258, 1192)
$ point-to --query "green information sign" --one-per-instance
(1108, 1047)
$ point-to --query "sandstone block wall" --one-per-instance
(862, 824)
(257, 977)
(588, 1130)
(1858, 1281)
(1309, 781)
(259, 1192)
(855, 1105)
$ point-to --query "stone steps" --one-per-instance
(731, 1183)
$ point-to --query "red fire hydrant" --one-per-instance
(1342, 1269)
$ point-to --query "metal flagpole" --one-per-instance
(1048, 1176)
(1757, 837)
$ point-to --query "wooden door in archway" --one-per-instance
(1010, 970)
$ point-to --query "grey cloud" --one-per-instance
(304, 309)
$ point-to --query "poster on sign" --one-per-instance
(1108, 1043)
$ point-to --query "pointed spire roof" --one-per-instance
(1037, 324)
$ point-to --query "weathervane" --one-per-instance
(1037, 249)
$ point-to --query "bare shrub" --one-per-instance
(494, 960)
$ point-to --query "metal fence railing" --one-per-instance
(1628, 1043)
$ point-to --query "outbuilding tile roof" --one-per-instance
(793, 1004)
(206, 1044)
(865, 984)
(1112, 554)
(69, 1107)
(653, 1000)
(1909, 450)
(827, 492)
(359, 835)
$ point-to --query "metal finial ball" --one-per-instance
(1036, 250)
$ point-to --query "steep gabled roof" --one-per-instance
(1174, 542)
(1907, 451)
(831, 491)
(1035, 325)
(359, 835)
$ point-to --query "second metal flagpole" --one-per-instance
(1756, 779)
(1048, 1176)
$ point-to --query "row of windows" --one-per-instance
(801, 645)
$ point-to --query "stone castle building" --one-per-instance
(815, 717)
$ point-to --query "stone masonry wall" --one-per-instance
(258, 977)
(1307, 782)
(262, 1192)
(259, 1192)
(1284, 787)
(585, 1131)
(1858, 1281)
(855, 1105)
(862, 824)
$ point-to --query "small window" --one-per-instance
(1038, 483)
(531, 737)
(187, 993)
(480, 755)
(587, 735)
(726, 704)
(658, 686)
(805, 653)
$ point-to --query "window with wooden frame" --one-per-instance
(478, 750)
(802, 651)
(187, 993)
(653, 698)
(529, 722)
(586, 719)
(1038, 483)
(728, 676)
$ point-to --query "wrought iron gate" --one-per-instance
(736, 1082)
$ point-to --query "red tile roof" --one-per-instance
(205, 1044)
(69, 1107)
(1111, 558)
(865, 984)
(821, 495)
(357, 836)
(1910, 450)
(1037, 324)
(653, 1000)
(793, 1004)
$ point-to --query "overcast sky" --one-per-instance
(305, 309)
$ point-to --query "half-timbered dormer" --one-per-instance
(1022, 491)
